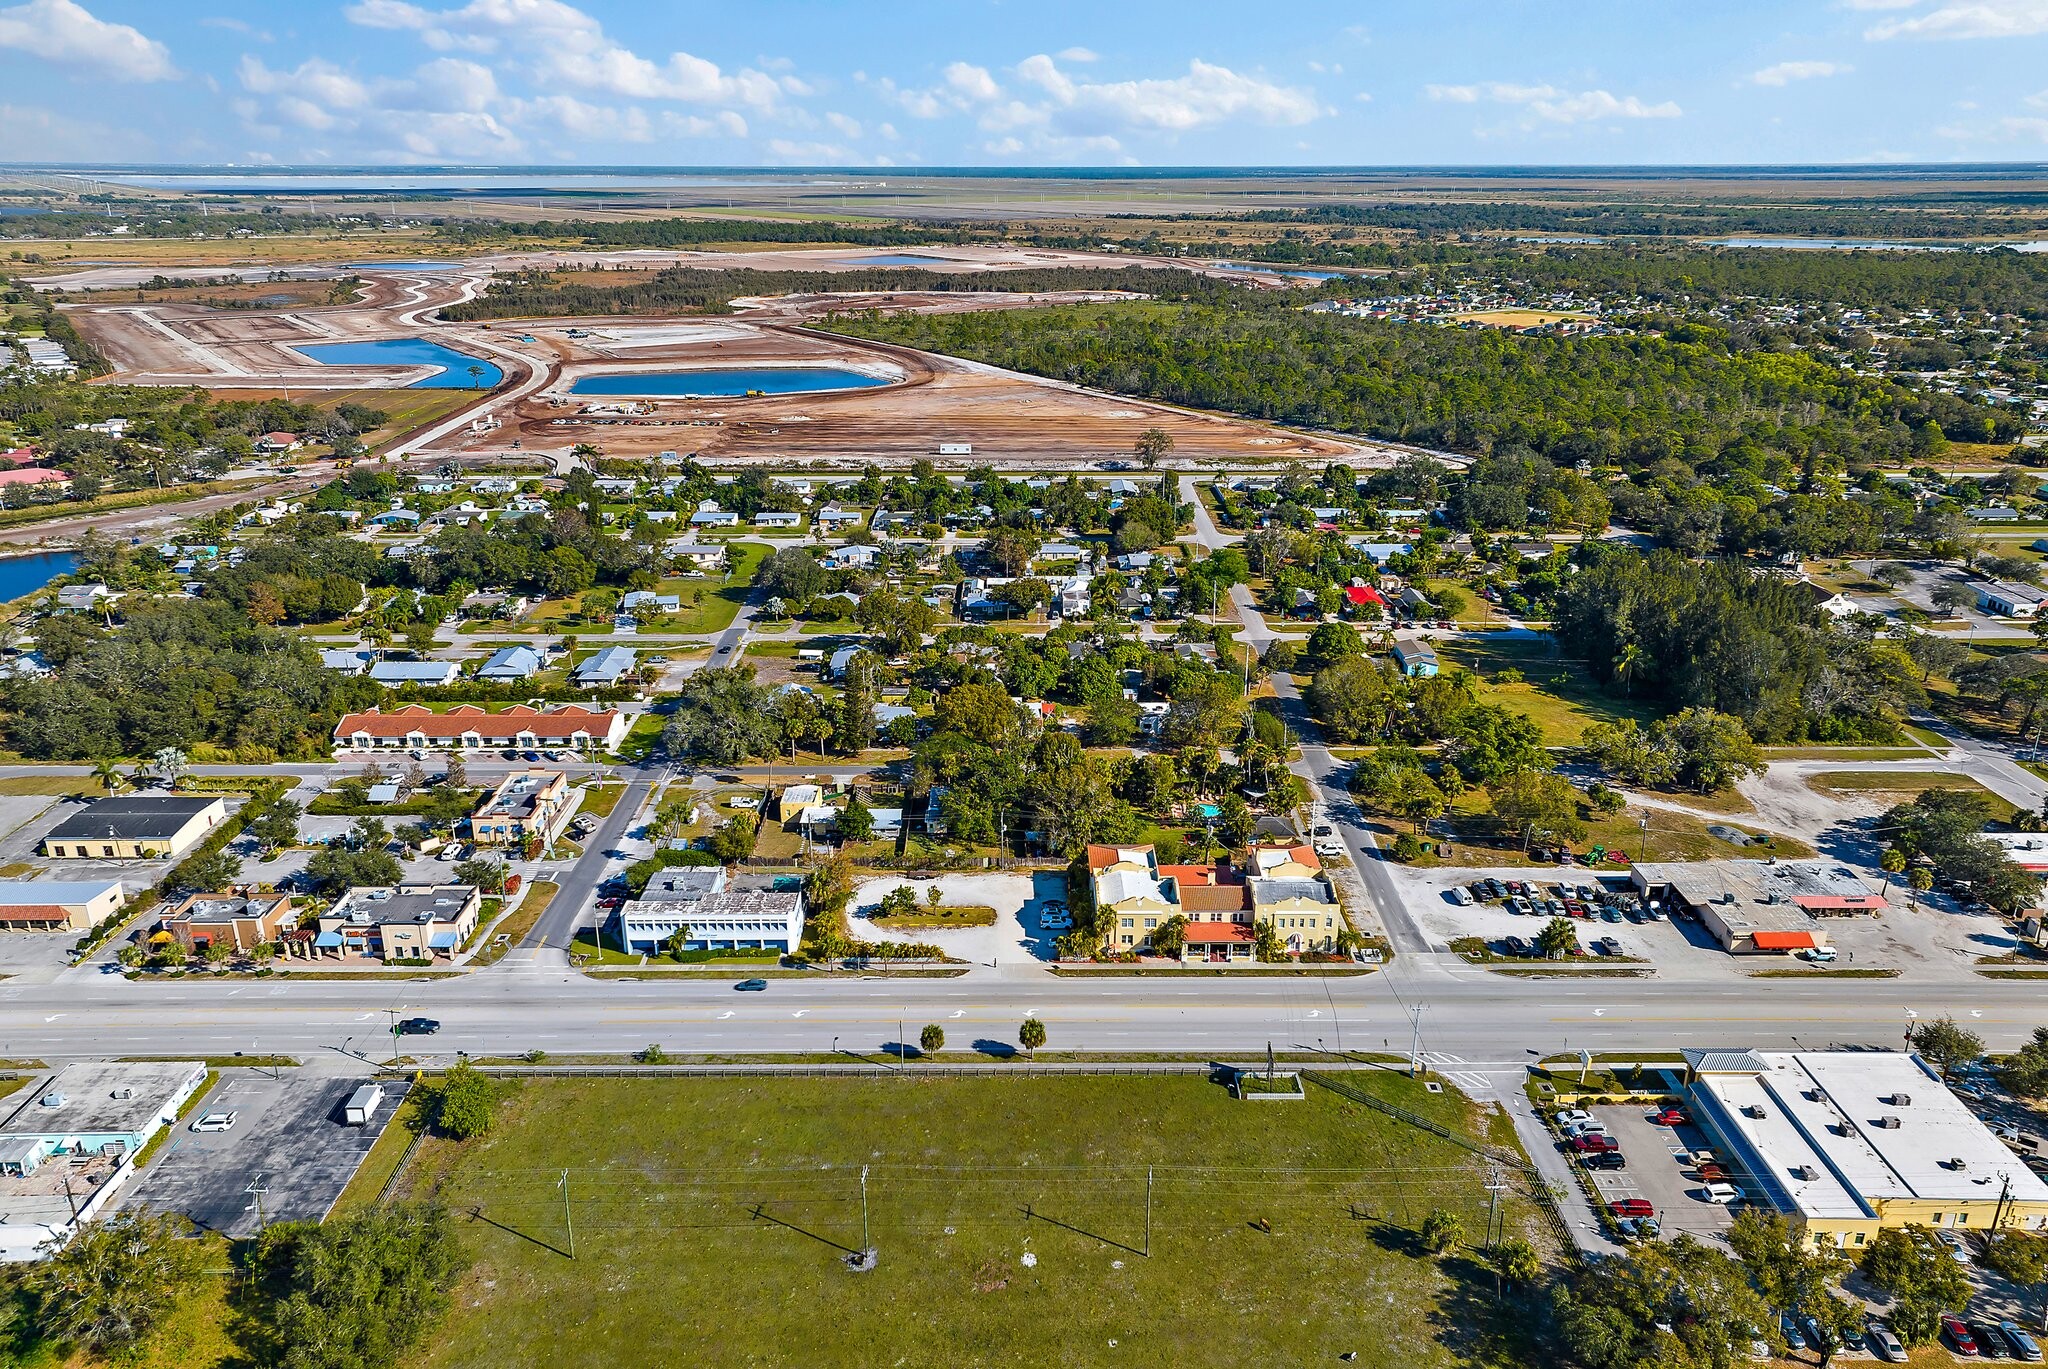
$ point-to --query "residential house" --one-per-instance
(1131, 898)
(511, 663)
(705, 556)
(271, 444)
(527, 805)
(853, 556)
(1415, 658)
(1135, 561)
(135, 827)
(416, 726)
(775, 518)
(392, 674)
(402, 922)
(831, 518)
(647, 603)
(346, 661)
(86, 598)
(836, 668)
(206, 920)
(608, 667)
(709, 515)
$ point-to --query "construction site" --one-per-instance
(903, 404)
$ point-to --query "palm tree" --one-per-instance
(1627, 662)
(169, 762)
(108, 774)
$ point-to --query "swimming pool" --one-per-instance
(409, 351)
(783, 380)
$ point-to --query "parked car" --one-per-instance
(1610, 914)
(1632, 1207)
(744, 801)
(1723, 1194)
(1956, 1332)
(1957, 1247)
(215, 1121)
(1607, 945)
(1794, 1333)
(1713, 1174)
(1461, 896)
(1515, 945)
(1884, 1344)
(1580, 1128)
(1991, 1342)
(1605, 1159)
(2024, 1346)
(1591, 1142)
(1671, 1117)
(1572, 1115)
(1637, 1228)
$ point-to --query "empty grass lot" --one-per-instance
(1559, 697)
(1903, 786)
(711, 1216)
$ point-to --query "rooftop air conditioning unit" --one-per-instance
(1888, 1123)
(123, 1093)
(1806, 1172)
(1901, 1100)
(53, 1099)
(1753, 1110)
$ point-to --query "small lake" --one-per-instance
(901, 259)
(21, 575)
(1292, 272)
(713, 384)
(408, 351)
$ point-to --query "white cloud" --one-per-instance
(1551, 105)
(1207, 95)
(844, 125)
(560, 43)
(1079, 55)
(1963, 19)
(972, 83)
(808, 154)
(64, 33)
(1785, 73)
(31, 133)
(240, 26)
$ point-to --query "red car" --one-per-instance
(1632, 1207)
(1593, 1141)
(1958, 1332)
(1713, 1174)
(1671, 1117)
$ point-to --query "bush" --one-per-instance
(1407, 847)
(465, 1103)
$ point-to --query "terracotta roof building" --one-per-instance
(467, 725)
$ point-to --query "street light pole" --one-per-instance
(1415, 1041)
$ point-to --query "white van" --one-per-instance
(1723, 1194)
(1820, 955)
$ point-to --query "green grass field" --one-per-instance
(1559, 697)
(711, 1217)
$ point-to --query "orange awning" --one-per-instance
(1784, 941)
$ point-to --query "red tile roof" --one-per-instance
(32, 475)
(33, 912)
(556, 723)
(1190, 874)
(1215, 898)
(1215, 933)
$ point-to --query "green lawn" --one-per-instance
(710, 1217)
(1901, 786)
(1559, 697)
(1477, 840)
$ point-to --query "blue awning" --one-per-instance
(441, 941)
(327, 939)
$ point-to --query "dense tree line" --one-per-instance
(681, 290)
(1933, 215)
(1633, 400)
(1724, 637)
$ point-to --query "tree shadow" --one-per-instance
(999, 1050)
(1480, 1326)
(1396, 1239)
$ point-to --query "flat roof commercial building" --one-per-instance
(70, 1141)
(1848, 1143)
(527, 804)
(403, 922)
(696, 902)
(58, 905)
(206, 920)
(135, 827)
(1759, 907)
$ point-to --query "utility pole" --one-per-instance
(1415, 1041)
(568, 1218)
(864, 1245)
(1148, 1211)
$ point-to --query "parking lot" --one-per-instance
(287, 1158)
(1653, 1172)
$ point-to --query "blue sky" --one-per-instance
(1023, 82)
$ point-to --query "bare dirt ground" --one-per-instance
(929, 401)
(935, 400)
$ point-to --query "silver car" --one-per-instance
(1884, 1344)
